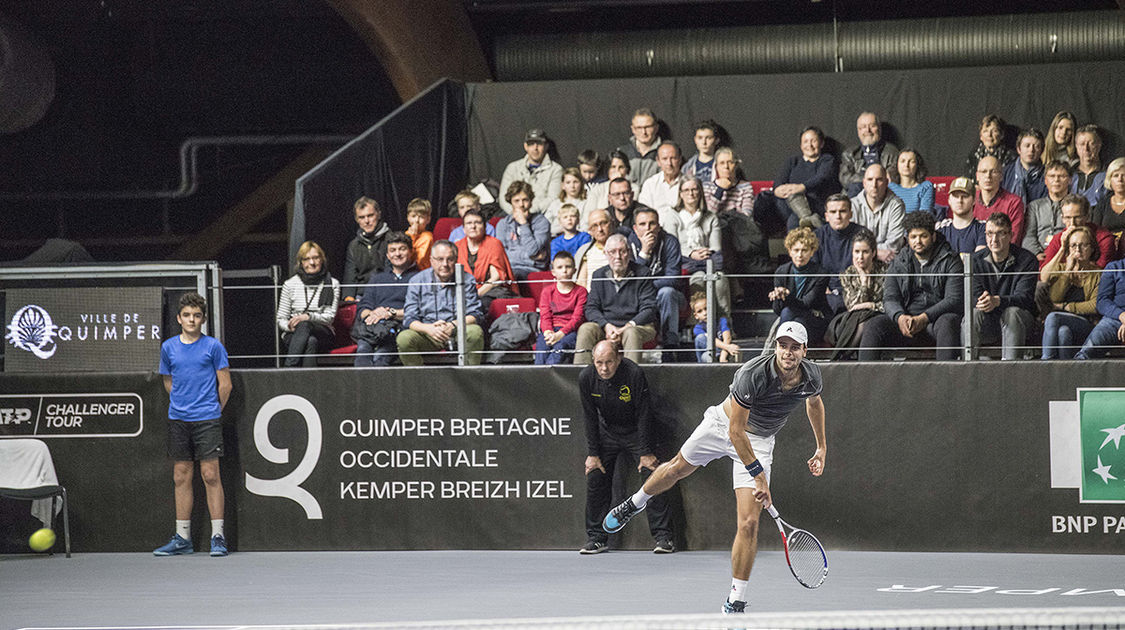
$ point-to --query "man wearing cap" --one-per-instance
(764, 392)
(535, 168)
(964, 232)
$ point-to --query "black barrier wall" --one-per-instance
(942, 457)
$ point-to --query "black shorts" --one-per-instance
(198, 440)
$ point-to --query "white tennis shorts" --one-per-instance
(710, 441)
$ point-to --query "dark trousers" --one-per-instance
(882, 332)
(599, 490)
(815, 324)
(306, 339)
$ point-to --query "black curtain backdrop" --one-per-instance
(937, 112)
(419, 150)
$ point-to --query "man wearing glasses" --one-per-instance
(1004, 277)
(622, 206)
(642, 145)
(621, 305)
(1074, 210)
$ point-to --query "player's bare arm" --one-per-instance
(814, 407)
(168, 383)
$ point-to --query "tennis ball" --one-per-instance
(42, 539)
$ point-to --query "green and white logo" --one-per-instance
(1086, 445)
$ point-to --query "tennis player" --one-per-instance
(764, 391)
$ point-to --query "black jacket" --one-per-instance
(935, 293)
(366, 254)
(1013, 290)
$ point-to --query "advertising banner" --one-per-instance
(82, 329)
(986, 456)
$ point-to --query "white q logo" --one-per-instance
(289, 486)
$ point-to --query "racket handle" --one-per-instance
(773, 512)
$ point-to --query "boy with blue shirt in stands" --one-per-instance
(571, 239)
(197, 378)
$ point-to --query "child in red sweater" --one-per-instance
(561, 311)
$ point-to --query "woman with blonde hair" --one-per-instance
(800, 286)
(307, 307)
(1109, 212)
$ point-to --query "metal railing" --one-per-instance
(969, 348)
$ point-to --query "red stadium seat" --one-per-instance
(342, 326)
(761, 186)
(445, 226)
(494, 220)
(534, 288)
(499, 307)
(941, 189)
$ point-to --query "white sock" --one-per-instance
(183, 528)
(217, 527)
(640, 499)
(737, 590)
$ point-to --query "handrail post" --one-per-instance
(710, 310)
(968, 329)
(459, 275)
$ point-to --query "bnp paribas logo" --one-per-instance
(1086, 445)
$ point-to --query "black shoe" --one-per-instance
(733, 608)
(620, 515)
(664, 546)
(592, 547)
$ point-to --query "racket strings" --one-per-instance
(806, 557)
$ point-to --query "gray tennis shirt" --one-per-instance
(757, 388)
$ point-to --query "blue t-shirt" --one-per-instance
(920, 197)
(963, 241)
(701, 327)
(563, 244)
(192, 366)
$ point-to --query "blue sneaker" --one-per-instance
(218, 546)
(620, 515)
(178, 546)
(734, 608)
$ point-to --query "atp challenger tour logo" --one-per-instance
(1087, 453)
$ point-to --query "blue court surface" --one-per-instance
(246, 590)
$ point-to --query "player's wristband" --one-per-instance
(755, 468)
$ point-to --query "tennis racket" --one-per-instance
(803, 552)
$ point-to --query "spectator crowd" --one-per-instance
(617, 247)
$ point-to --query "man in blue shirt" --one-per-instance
(430, 312)
(384, 300)
(1024, 177)
(197, 378)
